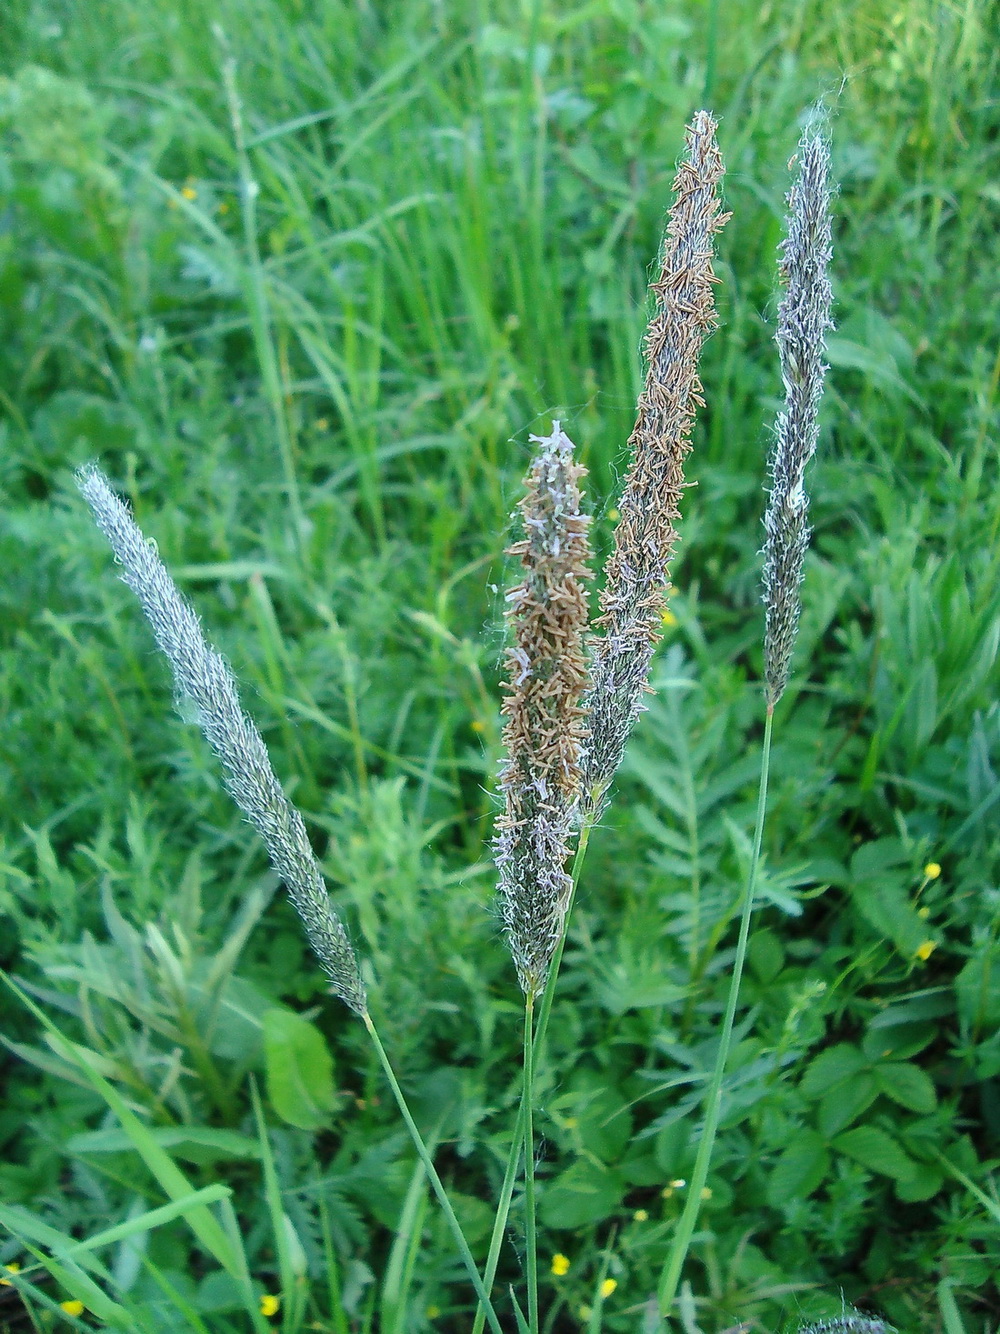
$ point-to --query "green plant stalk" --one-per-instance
(713, 1101)
(432, 1176)
(518, 1135)
(527, 1098)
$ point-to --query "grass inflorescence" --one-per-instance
(297, 283)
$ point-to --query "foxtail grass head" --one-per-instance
(543, 736)
(803, 321)
(634, 595)
(202, 677)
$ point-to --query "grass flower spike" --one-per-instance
(803, 319)
(540, 778)
(632, 602)
(203, 677)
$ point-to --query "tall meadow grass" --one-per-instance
(318, 289)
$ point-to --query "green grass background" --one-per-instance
(317, 393)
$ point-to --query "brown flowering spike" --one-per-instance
(634, 595)
(543, 735)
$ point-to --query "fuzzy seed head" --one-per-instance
(543, 736)
(202, 676)
(634, 595)
(803, 320)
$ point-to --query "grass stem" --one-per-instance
(432, 1176)
(530, 1240)
(518, 1135)
(670, 1278)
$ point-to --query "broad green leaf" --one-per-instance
(603, 1122)
(800, 1168)
(831, 1067)
(299, 1070)
(927, 1182)
(886, 906)
(584, 1193)
(906, 1084)
(977, 987)
(879, 1152)
(765, 955)
(845, 1103)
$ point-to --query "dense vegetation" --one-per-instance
(317, 395)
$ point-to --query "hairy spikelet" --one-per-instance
(633, 599)
(803, 319)
(543, 735)
(203, 677)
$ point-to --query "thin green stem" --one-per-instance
(432, 1176)
(529, 1163)
(713, 1100)
(517, 1136)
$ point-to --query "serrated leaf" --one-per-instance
(885, 905)
(799, 1169)
(926, 1183)
(299, 1070)
(584, 1193)
(906, 1084)
(845, 1103)
(878, 1151)
(831, 1067)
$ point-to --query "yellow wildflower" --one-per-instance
(189, 192)
(269, 1304)
(560, 1265)
(12, 1268)
(432, 1312)
(924, 912)
(932, 870)
(640, 1216)
(608, 1286)
(72, 1307)
(706, 1192)
(668, 618)
(926, 949)
(478, 725)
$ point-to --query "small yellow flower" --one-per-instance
(613, 515)
(585, 1313)
(608, 1286)
(269, 1304)
(668, 618)
(322, 424)
(433, 1312)
(641, 1216)
(478, 725)
(924, 912)
(926, 949)
(560, 1265)
(932, 870)
(706, 1192)
(72, 1307)
(13, 1268)
(189, 192)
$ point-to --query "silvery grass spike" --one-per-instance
(543, 735)
(803, 319)
(633, 599)
(203, 677)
